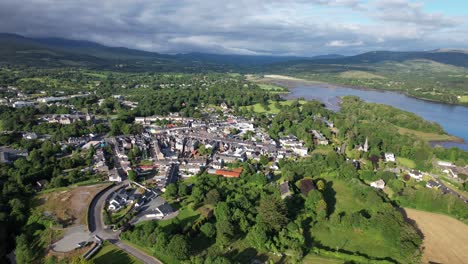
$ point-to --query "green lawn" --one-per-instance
(315, 259)
(185, 216)
(258, 108)
(406, 162)
(110, 254)
(271, 87)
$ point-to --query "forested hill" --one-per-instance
(57, 52)
(446, 56)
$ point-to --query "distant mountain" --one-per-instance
(58, 52)
(450, 57)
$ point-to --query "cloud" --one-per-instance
(407, 12)
(280, 27)
(342, 43)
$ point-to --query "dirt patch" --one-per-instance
(69, 207)
(445, 238)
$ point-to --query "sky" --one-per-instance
(249, 27)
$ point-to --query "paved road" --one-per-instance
(97, 227)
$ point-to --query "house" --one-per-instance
(389, 157)
(117, 201)
(415, 174)
(432, 184)
(161, 211)
(319, 138)
(379, 184)
(301, 151)
(284, 190)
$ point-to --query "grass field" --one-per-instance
(360, 75)
(463, 99)
(427, 136)
(110, 254)
(314, 259)
(445, 238)
(271, 87)
(406, 162)
(258, 108)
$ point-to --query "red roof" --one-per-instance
(230, 174)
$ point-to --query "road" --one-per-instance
(97, 227)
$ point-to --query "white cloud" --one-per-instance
(342, 43)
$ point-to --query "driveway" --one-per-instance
(73, 236)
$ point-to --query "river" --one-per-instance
(453, 118)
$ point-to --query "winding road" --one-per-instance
(97, 227)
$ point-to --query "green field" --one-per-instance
(258, 108)
(314, 259)
(406, 162)
(110, 254)
(426, 136)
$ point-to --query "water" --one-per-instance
(453, 118)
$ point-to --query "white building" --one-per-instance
(415, 174)
(389, 157)
(20, 104)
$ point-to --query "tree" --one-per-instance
(224, 233)
(171, 191)
(320, 185)
(132, 175)
(212, 197)
(24, 251)
(272, 212)
(264, 160)
(208, 230)
(178, 247)
(258, 237)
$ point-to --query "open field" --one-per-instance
(258, 108)
(360, 75)
(69, 205)
(428, 136)
(110, 254)
(314, 259)
(406, 162)
(463, 99)
(445, 238)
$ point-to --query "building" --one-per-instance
(9, 155)
(379, 184)
(114, 176)
(415, 174)
(319, 138)
(235, 173)
(20, 104)
(432, 184)
(389, 157)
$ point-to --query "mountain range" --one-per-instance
(58, 52)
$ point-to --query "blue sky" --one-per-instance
(264, 27)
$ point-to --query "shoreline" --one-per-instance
(289, 83)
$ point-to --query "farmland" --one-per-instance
(445, 238)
